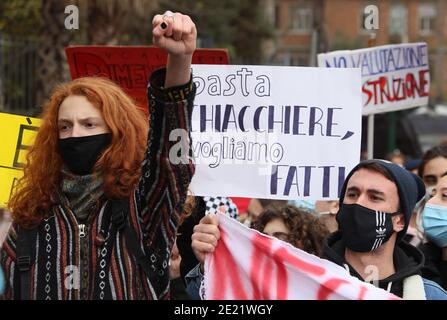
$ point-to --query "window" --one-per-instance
(398, 20)
(426, 18)
(300, 19)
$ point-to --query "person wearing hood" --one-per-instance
(376, 203)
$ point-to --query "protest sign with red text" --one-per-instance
(394, 77)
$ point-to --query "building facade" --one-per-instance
(305, 27)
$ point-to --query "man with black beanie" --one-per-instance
(376, 203)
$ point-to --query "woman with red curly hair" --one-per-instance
(96, 213)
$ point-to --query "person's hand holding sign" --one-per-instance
(206, 236)
(177, 34)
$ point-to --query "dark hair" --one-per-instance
(306, 231)
(374, 166)
(435, 152)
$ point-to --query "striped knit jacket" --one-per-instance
(73, 264)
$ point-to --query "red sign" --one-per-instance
(130, 67)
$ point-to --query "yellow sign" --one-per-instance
(17, 135)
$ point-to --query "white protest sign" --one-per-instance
(274, 132)
(394, 77)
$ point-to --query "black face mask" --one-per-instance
(81, 153)
(364, 229)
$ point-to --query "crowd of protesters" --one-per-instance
(413, 253)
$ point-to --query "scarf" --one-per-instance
(83, 193)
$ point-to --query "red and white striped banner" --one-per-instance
(249, 265)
